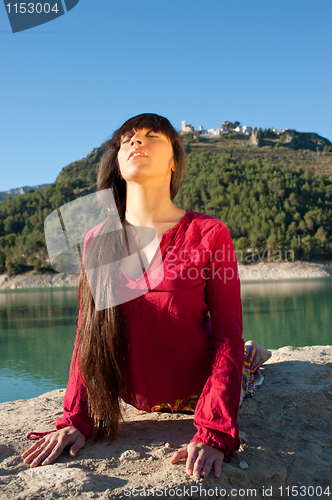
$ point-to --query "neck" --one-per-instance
(149, 206)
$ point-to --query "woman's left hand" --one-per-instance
(200, 459)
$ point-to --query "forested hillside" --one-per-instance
(274, 200)
(264, 206)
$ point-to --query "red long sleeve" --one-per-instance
(217, 407)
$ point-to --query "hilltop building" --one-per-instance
(211, 132)
(244, 130)
(186, 128)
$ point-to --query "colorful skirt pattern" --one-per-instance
(252, 378)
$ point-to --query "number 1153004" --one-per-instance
(32, 8)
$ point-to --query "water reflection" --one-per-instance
(293, 312)
(37, 331)
(38, 328)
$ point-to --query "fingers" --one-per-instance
(78, 444)
(47, 449)
(179, 455)
(39, 454)
(217, 468)
(33, 448)
(53, 455)
(202, 466)
(200, 459)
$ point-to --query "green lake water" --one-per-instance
(38, 328)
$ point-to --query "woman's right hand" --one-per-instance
(48, 448)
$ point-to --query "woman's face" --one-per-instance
(144, 155)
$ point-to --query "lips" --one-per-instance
(136, 153)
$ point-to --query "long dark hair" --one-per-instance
(102, 346)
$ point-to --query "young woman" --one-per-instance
(175, 344)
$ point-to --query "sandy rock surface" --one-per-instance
(285, 433)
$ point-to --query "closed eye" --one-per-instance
(148, 134)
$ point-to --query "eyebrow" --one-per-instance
(133, 131)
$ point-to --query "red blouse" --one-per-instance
(176, 349)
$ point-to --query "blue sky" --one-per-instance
(67, 85)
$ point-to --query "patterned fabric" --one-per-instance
(187, 405)
(252, 378)
(251, 375)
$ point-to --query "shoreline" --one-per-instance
(261, 271)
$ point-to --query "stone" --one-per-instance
(243, 437)
(3, 279)
(130, 455)
(254, 139)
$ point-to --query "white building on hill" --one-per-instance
(243, 130)
(216, 132)
(213, 132)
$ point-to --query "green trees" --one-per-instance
(15, 265)
(22, 239)
(2, 262)
(265, 207)
(37, 265)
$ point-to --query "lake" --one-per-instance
(38, 328)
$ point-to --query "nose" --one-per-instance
(136, 138)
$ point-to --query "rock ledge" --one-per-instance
(285, 441)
